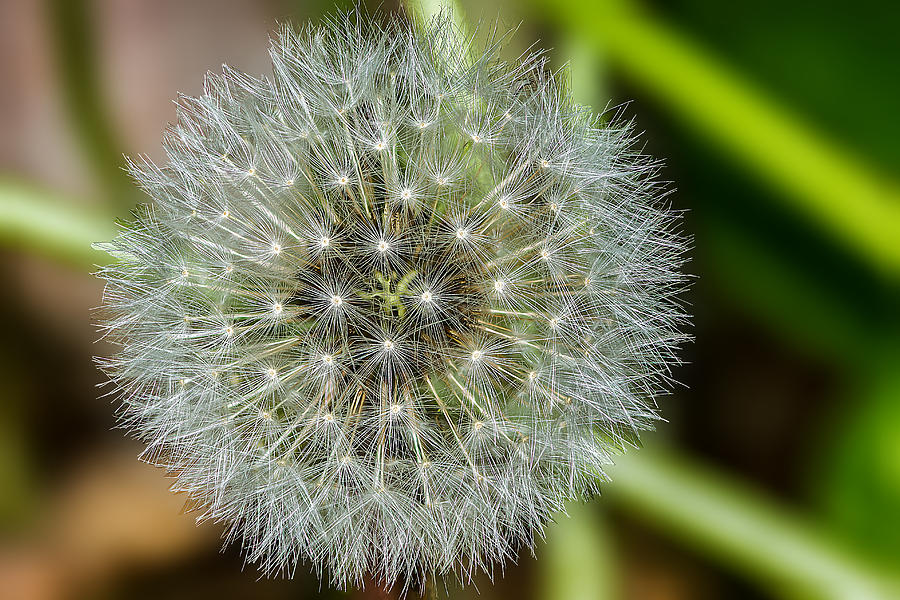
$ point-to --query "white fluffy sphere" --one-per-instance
(390, 308)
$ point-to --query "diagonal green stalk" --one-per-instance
(36, 221)
(821, 180)
(578, 561)
(725, 519)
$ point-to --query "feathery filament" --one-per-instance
(389, 309)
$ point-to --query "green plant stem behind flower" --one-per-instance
(826, 183)
(730, 521)
(37, 221)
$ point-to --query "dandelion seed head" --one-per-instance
(390, 308)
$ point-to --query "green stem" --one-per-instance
(75, 53)
(422, 10)
(36, 221)
(578, 560)
(735, 524)
(831, 186)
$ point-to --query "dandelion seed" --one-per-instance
(419, 381)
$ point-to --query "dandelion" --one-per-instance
(390, 308)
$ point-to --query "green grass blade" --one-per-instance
(43, 224)
(740, 528)
(827, 183)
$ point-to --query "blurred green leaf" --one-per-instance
(39, 222)
(825, 182)
(736, 525)
(578, 562)
(859, 475)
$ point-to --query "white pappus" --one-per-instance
(391, 307)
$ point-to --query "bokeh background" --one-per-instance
(778, 471)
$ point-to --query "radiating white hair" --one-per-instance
(389, 309)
